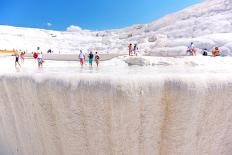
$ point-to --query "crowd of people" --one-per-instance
(38, 55)
(133, 50)
(191, 50)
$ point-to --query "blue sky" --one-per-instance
(88, 14)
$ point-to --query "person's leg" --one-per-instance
(82, 62)
(189, 52)
(90, 62)
(16, 61)
(192, 54)
(19, 64)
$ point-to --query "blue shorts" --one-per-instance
(90, 61)
(40, 59)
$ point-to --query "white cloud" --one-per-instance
(49, 24)
(73, 28)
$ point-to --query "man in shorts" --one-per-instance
(91, 59)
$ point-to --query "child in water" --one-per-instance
(40, 60)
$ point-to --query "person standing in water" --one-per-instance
(97, 59)
(17, 59)
(191, 49)
(130, 49)
(22, 55)
(82, 58)
(216, 52)
(91, 59)
(135, 49)
(40, 58)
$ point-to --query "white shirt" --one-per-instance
(40, 56)
(191, 47)
(82, 56)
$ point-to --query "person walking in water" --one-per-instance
(16, 58)
(130, 49)
(91, 59)
(40, 58)
(135, 49)
(82, 58)
(97, 59)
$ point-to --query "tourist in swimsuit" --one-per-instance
(130, 49)
(17, 59)
(97, 58)
(216, 52)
